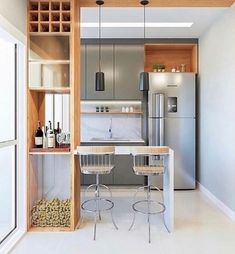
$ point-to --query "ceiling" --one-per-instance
(161, 3)
(202, 18)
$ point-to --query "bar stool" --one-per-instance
(97, 160)
(147, 162)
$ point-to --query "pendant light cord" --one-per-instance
(144, 25)
(99, 38)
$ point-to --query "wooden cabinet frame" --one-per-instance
(36, 107)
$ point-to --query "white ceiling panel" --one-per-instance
(201, 18)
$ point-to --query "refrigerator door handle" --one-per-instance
(161, 132)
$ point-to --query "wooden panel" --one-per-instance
(171, 55)
(75, 111)
(49, 229)
(53, 90)
(161, 3)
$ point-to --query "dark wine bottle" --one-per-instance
(38, 136)
(57, 131)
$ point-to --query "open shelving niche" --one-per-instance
(88, 107)
(53, 173)
(172, 55)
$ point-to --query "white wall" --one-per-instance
(217, 109)
(15, 11)
(13, 22)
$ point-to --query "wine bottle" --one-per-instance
(38, 136)
(50, 137)
(57, 131)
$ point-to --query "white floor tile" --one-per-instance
(199, 228)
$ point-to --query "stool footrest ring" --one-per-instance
(100, 209)
(150, 201)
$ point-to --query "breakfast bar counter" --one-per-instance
(168, 180)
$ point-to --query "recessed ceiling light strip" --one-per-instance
(137, 24)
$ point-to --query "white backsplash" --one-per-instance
(123, 126)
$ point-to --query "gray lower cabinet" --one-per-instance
(104, 179)
(123, 172)
(83, 72)
(129, 63)
(92, 66)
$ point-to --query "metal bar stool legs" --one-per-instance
(148, 201)
(97, 160)
(97, 210)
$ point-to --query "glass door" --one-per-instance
(8, 137)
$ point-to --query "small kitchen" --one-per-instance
(117, 126)
(134, 93)
(121, 115)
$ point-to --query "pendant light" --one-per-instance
(99, 76)
(144, 76)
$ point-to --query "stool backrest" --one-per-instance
(99, 157)
(149, 156)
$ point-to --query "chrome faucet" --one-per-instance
(110, 128)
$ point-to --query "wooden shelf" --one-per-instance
(49, 229)
(52, 151)
(49, 34)
(51, 90)
(171, 55)
(44, 61)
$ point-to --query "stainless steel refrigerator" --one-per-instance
(172, 122)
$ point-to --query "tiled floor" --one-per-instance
(200, 228)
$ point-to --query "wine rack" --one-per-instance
(49, 16)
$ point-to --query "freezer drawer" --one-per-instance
(179, 134)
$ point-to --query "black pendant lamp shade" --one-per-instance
(144, 81)
(144, 76)
(99, 76)
(99, 81)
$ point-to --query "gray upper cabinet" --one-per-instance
(83, 72)
(129, 63)
(92, 66)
